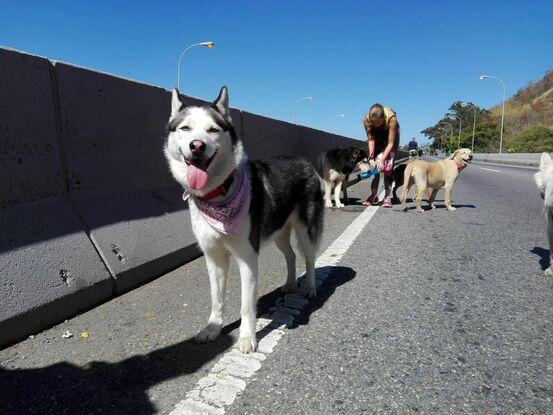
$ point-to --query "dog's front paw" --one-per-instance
(420, 210)
(548, 272)
(328, 204)
(310, 292)
(208, 333)
(451, 208)
(247, 344)
(289, 287)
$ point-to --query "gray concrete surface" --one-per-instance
(314, 141)
(441, 312)
(40, 282)
(517, 159)
(29, 152)
(265, 136)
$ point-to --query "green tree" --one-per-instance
(441, 131)
(533, 140)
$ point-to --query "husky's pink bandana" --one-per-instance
(229, 216)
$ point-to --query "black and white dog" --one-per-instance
(236, 204)
(336, 166)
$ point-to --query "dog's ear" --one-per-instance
(545, 161)
(221, 103)
(176, 103)
(539, 177)
(452, 157)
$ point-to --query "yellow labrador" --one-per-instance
(436, 175)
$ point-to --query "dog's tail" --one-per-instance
(407, 183)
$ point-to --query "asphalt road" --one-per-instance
(440, 312)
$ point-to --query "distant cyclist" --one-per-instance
(413, 147)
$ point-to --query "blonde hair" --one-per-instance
(376, 111)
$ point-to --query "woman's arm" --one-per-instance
(392, 136)
(370, 136)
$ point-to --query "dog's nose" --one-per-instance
(197, 147)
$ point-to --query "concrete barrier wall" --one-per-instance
(521, 159)
(88, 208)
(49, 268)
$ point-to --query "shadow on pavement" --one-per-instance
(102, 387)
(121, 387)
(544, 256)
(337, 276)
(425, 207)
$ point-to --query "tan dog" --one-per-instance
(436, 175)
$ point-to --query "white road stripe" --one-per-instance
(227, 378)
(483, 168)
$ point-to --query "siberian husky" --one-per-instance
(544, 180)
(336, 166)
(236, 204)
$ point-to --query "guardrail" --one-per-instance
(88, 209)
(517, 159)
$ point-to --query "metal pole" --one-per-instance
(208, 44)
(502, 109)
(459, 140)
(502, 119)
(296, 104)
(473, 128)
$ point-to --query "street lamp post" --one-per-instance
(473, 121)
(308, 99)
(459, 140)
(208, 44)
(450, 129)
(473, 127)
(502, 109)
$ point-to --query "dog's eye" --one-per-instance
(213, 130)
(185, 128)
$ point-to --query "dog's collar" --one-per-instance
(221, 190)
(460, 166)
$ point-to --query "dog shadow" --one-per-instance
(104, 387)
(122, 387)
(544, 254)
(336, 276)
(425, 206)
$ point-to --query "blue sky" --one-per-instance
(415, 56)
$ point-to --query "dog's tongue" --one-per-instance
(196, 177)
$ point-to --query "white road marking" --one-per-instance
(497, 171)
(227, 378)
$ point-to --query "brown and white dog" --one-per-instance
(443, 173)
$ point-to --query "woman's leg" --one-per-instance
(388, 179)
(374, 186)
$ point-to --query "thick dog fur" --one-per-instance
(443, 173)
(544, 181)
(285, 195)
(336, 166)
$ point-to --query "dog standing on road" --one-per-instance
(544, 180)
(236, 204)
(336, 165)
(443, 173)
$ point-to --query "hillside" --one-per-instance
(531, 106)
